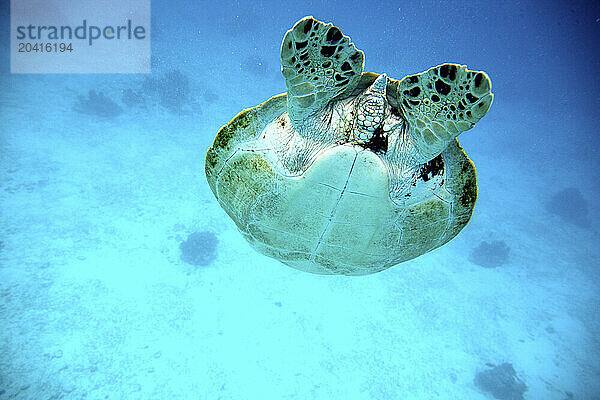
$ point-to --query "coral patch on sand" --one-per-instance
(490, 254)
(199, 249)
(501, 381)
(570, 205)
(97, 104)
(172, 90)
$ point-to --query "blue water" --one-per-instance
(96, 302)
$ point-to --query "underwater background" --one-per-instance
(122, 278)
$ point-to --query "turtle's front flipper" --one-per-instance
(319, 63)
(441, 103)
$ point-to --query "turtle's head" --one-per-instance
(370, 111)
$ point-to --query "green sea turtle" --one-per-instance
(349, 172)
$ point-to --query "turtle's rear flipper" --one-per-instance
(441, 103)
(319, 63)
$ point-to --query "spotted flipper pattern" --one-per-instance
(319, 64)
(441, 103)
